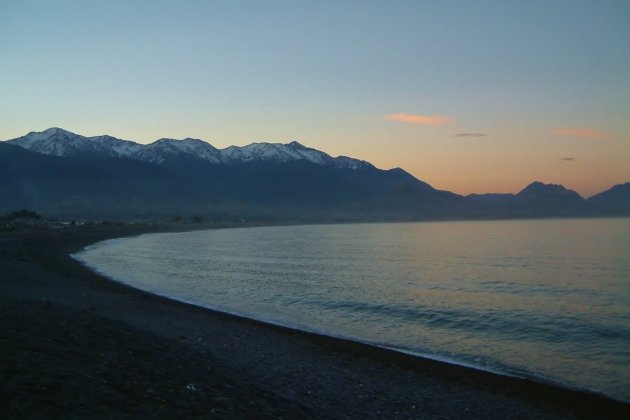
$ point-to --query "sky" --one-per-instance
(469, 96)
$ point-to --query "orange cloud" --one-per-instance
(588, 133)
(419, 119)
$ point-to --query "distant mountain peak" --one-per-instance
(541, 187)
(541, 190)
(297, 145)
(54, 130)
(54, 141)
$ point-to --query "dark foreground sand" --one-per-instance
(73, 344)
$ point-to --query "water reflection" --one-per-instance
(547, 297)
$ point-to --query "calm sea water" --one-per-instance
(548, 299)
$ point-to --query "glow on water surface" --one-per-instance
(538, 298)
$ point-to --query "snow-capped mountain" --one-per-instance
(115, 147)
(163, 149)
(59, 142)
(276, 152)
(65, 173)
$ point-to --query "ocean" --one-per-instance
(541, 299)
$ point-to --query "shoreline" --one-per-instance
(530, 377)
(292, 372)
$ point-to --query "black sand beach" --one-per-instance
(74, 344)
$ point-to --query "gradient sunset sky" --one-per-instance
(469, 96)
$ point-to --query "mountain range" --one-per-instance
(64, 174)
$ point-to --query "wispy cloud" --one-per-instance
(419, 119)
(588, 133)
(567, 159)
(470, 135)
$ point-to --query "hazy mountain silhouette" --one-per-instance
(61, 173)
(535, 200)
(615, 201)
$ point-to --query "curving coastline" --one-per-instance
(55, 312)
(495, 369)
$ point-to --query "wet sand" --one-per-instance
(74, 344)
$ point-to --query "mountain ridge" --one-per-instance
(56, 141)
(262, 179)
(64, 173)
